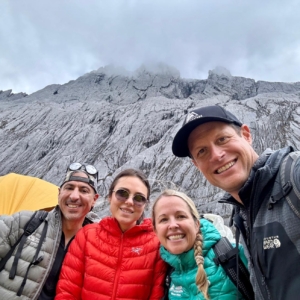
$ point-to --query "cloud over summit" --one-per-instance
(55, 41)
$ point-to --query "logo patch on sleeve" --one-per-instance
(271, 242)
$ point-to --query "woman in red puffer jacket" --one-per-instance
(118, 258)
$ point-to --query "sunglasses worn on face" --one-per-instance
(123, 195)
(91, 170)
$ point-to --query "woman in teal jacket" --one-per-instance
(186, 245)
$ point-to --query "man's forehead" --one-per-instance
(206, 127)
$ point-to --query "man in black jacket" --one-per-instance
(268, 218)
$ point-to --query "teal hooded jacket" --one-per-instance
(183, 285)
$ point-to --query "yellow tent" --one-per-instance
(20, 192)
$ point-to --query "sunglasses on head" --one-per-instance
(90, 169)
(123, 195)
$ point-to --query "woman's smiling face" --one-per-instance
(175, 226)
(126, 212)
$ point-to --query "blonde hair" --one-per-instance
(201, 278)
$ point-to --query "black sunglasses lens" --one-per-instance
(122, 195)
(139, 199)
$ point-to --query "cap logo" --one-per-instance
(191, 117)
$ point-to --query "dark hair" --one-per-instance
(131, 173)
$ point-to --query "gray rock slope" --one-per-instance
(115, 119)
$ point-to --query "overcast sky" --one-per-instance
(47, 42)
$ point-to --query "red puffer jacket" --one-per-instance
(105, 263)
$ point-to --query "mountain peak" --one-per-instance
(221, 71)
(158, 69)
(117, 122)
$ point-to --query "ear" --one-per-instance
(194, 162)
(58, 195)
(95, 198)
(246, 134)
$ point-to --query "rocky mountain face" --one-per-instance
(115, 119)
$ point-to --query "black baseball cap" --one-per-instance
(71, 176)
(195, 118)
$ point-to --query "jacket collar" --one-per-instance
(112, 226)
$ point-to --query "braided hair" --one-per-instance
(201, 279)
